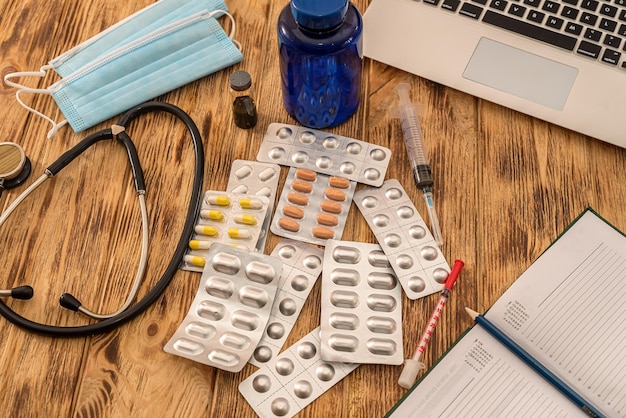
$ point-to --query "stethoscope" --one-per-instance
(15, 169)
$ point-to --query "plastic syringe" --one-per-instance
(413, 365)
(407, 113)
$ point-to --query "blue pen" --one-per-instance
(534, 364)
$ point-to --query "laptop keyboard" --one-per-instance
(593, 29)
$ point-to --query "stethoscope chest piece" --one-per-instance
(15, 167)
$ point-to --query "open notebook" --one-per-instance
(558, 60)
(568, 310)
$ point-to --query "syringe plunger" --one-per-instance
(422, 175)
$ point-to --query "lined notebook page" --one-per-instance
(481, 378)
(569, 311)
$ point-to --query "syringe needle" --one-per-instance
(432, 214)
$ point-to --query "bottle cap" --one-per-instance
(315, 14)
(240, 80)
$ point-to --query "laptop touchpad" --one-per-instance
(521, 73)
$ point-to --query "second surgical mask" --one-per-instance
(132, 61)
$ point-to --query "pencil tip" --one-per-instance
(473, 314)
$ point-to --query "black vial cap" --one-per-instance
(240, 80)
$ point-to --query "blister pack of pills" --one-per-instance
(292, 380)
(256, 179)
(227, 218)
(302, 265)
(231, 308)
(361, 318)
(312, 207)
(404, 237)
(323, 152)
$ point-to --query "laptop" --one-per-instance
(563, 61)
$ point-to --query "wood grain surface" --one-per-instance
(506, 186)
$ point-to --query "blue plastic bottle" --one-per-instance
(320, 49)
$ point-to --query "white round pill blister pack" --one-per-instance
(302, 265)
(292, 380)
(404, 237)
(326, 153)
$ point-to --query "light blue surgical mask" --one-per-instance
(145, 21)
(149, 66)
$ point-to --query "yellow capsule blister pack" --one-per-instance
(256, 179)
(229, 218)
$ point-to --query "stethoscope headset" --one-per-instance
(14, 169)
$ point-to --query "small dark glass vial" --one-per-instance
(244, 109)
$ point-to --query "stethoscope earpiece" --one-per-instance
(20, 292)
(15, 166)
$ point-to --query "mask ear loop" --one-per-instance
(24, 89)
(232, 26)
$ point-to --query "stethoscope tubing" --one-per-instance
(193, 210)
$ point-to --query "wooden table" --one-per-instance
(506, 186)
